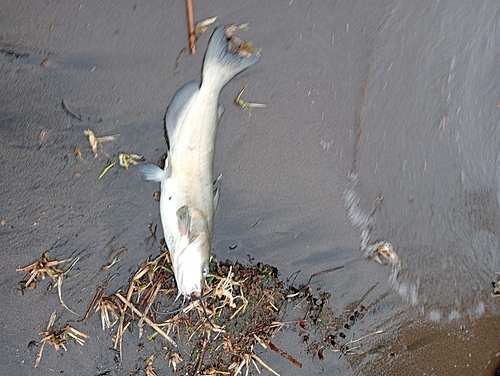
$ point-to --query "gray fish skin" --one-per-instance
(187, 202)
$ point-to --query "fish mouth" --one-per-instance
(194, 293)
(187, 286)
(188, 265)
(188, 278)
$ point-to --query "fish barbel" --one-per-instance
(188, 201)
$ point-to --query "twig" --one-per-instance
(149, 302)
(148, 321)
(285, 355)
(191, 31)
(323, 272)
(97, 296)
(200, 358)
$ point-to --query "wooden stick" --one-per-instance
(148, 321)
(191, 31)
(285, 355)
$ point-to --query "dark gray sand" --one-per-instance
(405, 96)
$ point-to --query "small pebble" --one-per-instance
(46, 63)
(42, 137)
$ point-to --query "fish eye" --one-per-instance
(205, 271)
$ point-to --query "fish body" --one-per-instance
(188, 202)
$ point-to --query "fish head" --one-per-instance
(191, 265)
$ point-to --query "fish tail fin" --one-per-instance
(223, 60)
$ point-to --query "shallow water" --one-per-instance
(427, 143)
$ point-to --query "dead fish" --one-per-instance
(188, 200)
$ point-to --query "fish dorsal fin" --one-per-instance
(175, 109)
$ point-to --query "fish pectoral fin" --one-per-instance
(184, 221)
(186, 224)
(151, 172)
(180, 100)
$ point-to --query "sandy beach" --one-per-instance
(404, 97)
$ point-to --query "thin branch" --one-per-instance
(191, 31)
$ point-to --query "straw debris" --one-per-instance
(242, 308)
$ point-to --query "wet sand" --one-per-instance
(285, 170)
